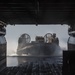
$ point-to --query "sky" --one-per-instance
(14, 32)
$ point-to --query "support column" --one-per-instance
(3, 45)
(71, 39)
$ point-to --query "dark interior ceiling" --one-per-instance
(37, 11)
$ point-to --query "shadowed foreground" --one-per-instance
(41, 66)
(34, 68)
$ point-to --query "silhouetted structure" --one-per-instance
(2, 46)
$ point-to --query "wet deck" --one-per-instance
(34, 68)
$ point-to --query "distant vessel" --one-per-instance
(47, 45)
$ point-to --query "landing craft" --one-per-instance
(41, 47)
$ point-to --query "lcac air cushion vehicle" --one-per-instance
(42, 47)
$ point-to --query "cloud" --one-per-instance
(63, 45)
(11, 46)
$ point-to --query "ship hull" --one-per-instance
(2, 56)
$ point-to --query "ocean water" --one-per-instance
(17, 60)
(11, 61)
